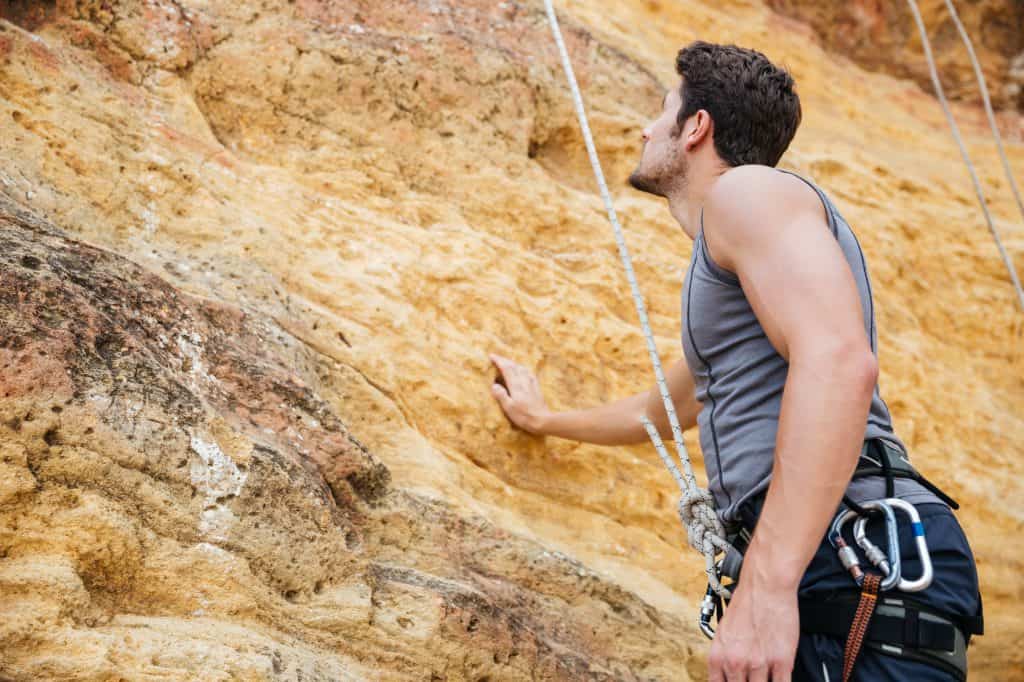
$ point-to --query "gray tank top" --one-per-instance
(739, 378)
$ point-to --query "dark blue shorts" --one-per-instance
(954, 590)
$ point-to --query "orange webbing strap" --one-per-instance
(859, 627)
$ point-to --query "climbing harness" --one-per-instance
(704, 530)
(880, 615)
(900, 626)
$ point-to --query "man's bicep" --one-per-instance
(681, 387)
(800, 286)
(680, 382)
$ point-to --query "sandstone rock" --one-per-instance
(180, 503)
(255, 254)
(882, 36)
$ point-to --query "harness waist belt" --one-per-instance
(899, 627)
(833, 618)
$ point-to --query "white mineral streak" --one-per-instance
(217, 478)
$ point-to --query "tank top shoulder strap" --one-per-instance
(716, 270)
(729, 277)
(830, 209)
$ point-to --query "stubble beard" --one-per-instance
(645, 183)
(670, 174)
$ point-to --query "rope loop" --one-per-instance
(697, 512)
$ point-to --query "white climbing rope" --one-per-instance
(959, 141)
(696, 506)
(988, 105)
(705, 532)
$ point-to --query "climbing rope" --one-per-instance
(705, 532)
(959, 141)
(988, 105)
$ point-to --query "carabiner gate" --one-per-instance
(710, 605)
(847, 554)
(890, 565)
(925, 557)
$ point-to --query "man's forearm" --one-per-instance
(821, 428)
(618, 423)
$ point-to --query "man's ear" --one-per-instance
(703, 126)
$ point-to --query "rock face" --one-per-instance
(254, 255)
(882, 36)
(176, 494)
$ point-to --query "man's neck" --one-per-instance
(685, 202)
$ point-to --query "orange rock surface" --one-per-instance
(255, 255)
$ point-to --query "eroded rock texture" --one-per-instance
(882, 36)
(254, 255)
(178, 499)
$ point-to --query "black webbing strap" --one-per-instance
(833, 617)
(891, 467)
(871, 446)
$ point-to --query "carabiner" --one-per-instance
(922, 547)
(847, 554)
(891, 565)
(708, 608)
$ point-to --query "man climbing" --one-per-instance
(780, 374)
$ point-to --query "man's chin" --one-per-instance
(645, 184)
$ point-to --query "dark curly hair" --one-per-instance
(752, 102)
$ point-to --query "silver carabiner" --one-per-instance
(708, 609)
(711, 605)
(923, 554)
(847, 554)
(890, 564)
(922, 547)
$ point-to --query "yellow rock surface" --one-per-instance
(370, 197)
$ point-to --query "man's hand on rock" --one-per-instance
(518, 393)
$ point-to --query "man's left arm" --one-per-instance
(770, 229)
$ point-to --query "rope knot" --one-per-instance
(704, 530)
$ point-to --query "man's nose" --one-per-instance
(646, 134)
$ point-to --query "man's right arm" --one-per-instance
(616, 423)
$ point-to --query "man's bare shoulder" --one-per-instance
(752, 202)
(763, 190)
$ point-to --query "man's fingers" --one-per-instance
(736, 673)
(759, 674)
(516, 377)
(782, 672)
(715, 672)
(507, 368)
(500, 393)
(498, 361)
(719, 670)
